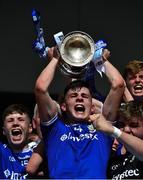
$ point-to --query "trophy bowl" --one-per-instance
(77, 50)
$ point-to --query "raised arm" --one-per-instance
(47, 107)
(113, 99)
(127, 95)
(132, 143)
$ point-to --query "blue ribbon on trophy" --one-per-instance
(97, 58)
(97, 61)
(39, 44)
(96, 64)
(42, 50)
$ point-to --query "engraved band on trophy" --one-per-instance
(77, 50)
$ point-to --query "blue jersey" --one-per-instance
(12, 165)
(76, 151)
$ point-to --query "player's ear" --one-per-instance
(63, 106)
(30, 128)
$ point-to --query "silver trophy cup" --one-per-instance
(77, 50)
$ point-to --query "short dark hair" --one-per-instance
(77, 84)
(20, 108)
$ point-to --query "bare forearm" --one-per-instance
(47, 75)
(113, 99)
(46, 105)
(113, 74)
(127, 95)
(133, 144)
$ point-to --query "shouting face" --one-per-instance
(135, 84)
(17, 128)
(78, 104)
